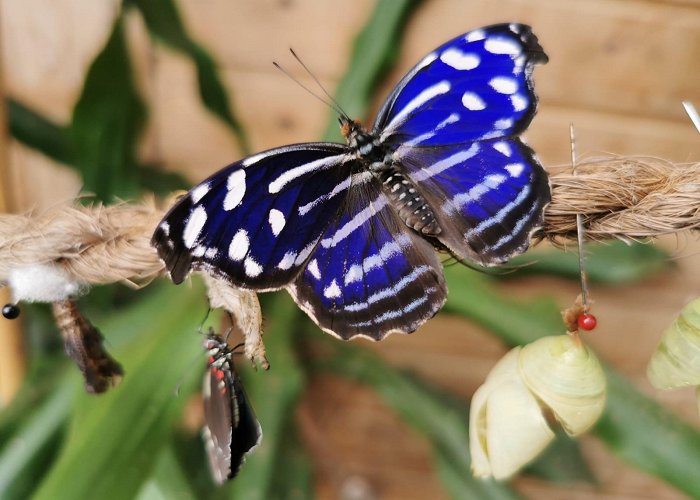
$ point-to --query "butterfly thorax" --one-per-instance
(401, 191)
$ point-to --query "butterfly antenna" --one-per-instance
(330, 104)
(320, 85)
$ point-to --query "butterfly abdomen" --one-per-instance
(408, 202)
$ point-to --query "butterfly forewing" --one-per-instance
(256, 222)
(487, 197)
(370, 275)
(476, 86)
(231, 429)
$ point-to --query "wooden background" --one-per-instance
(618, 70)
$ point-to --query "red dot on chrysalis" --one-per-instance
(586, 321)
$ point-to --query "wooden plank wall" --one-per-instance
(618, 70)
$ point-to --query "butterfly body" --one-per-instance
(351, 230)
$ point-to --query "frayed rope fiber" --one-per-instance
(622, 198)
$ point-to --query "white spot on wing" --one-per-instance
(504, 85)
(502, 45)
(357, 221)
(389, 291)
(255, 158)
(473, 102)
(305, 252)
(503, 123)
(313, 269)
(501, 214)
(388, 250)
(277, 221)
(296, 172)
(446, 163)
(426, 95)
(194, 226)
(503, 148)
(475, 36)
(252, 268)
(454, 117)
(165, 227)
(332, 291)
(239, 245)
(198, 193)
(515, 169)
(459, 60)
(519, 102)
(475, 193)
(236, 190)
(287, 261)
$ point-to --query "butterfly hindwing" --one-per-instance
(370, 274)
(256, 221)
(487, 197)
(476, 86)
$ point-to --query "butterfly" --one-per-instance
(231, 429)
(351, 230)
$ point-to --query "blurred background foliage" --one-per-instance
(138, 441)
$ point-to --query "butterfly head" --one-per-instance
(359, 139)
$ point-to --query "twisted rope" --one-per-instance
(622, 198)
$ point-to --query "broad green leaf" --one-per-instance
(40, 133)
(55, 141)
(168, 482)
(374, 51)
(614, 263)
(643, 433)
(107, 121)
(163, 21)
(24, 457)
(633, 426)
(114, 439)
(295, 469)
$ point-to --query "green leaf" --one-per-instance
(374, 52)
(163, 21)
(107, 121)
(562, 462)
(643, 433)
(169, 481)
(25, 457)
(37, 132)
(115, 438)
(613, 263)
(633, 426)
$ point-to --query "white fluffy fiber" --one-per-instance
(42, 283)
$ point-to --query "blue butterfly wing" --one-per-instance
(488, 196)
(370, 275)
(474, 87)
(452, 124)
(256, 222)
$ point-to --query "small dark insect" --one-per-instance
(231, 429)
(83, 343)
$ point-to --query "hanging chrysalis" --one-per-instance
(557, 376)
(676, 361)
